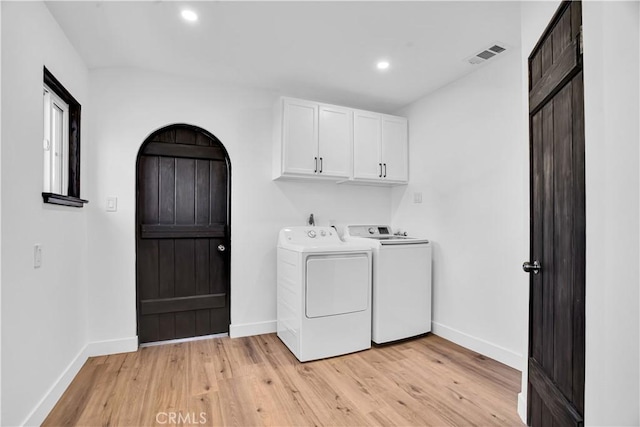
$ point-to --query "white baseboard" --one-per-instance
(522, 407)
(249, 329)
(96, 348)
(486, 348)
(120, 345)
(46, 404)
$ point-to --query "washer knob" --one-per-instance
(372, 230)
(311, 234)
(323, 233)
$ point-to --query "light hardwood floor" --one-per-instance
(256, 381)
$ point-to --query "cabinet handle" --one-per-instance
(380, 175)
(385, 170)
(315, 170)
(320, 164)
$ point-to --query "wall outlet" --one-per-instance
(417, 197)
(112, 204)
(37, 255)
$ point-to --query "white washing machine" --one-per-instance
(324, 293)
(401, 302)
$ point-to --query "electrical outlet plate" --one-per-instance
(37, 255)
(417, 197)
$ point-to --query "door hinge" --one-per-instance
(580, 42)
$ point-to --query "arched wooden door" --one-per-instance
(183, 235)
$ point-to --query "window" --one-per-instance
(56, 143)
(61, 144)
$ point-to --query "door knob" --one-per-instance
(534, 267)
(221, 248)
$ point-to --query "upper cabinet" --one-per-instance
(312, 140)
(334, 141)
(321, 141)
(380, 148)
(394, 152)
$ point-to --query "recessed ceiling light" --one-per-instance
(382, 65)
(189, 15)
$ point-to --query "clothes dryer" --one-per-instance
(323, 293)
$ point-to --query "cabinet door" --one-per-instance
(366, 145)
(335, 142)
(300, 137)
(395, 149)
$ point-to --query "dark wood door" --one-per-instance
(556, 323)
(183, 245)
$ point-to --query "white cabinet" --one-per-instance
(334, 145)
(300, 137)
(380, 148)
(366, 145)
(321, 141)
(395, 149)
(312, 140)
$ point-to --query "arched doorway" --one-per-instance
(183, 253)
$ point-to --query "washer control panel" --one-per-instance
(369, 230)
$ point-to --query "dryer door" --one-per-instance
(337, 284)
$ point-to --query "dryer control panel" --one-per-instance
(309, 234)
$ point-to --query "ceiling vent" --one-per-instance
(488, 53)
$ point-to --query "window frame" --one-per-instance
(72, 167)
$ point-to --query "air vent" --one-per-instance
(486, 54)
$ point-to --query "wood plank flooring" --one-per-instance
(256, 381)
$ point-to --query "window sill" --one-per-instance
(59, 199)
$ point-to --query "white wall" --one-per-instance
(128, 106)
(470, 166)
(44, 311)
(611, 69)
(611, 75)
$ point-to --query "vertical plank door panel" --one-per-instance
(546, 222)
(149, 194)
(537, 241)
(185, 268)
(166, 190)
(202, 192)
(563, 237)
(185, 191)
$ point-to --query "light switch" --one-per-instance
(417, 197)
(112, 204)
(37, 255)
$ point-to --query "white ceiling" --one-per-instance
(320, 50)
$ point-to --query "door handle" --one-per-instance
(380, 175)
(534, 267)
(315, 170)
(385, 170)
(320, 164)
(221, 248)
